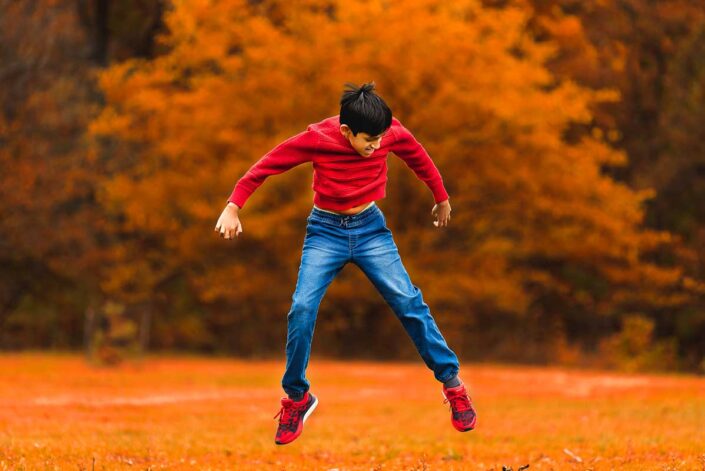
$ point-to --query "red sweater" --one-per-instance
(342, 178)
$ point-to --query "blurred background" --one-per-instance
(570, 136)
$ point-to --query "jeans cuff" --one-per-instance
(452, 375)
(294, 393)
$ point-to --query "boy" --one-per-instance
(349, 155)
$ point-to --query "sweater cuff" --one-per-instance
(238, 196)
(439, 196)
(439, 192)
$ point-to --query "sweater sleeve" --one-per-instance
(415, 156)
(294, 151)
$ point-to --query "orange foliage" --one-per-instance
(538, 226)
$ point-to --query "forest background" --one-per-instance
(569, 135)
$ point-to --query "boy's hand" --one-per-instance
(229, 224)
(441, 212)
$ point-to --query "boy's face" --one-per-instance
(363, 143)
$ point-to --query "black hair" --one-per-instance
(363, 110)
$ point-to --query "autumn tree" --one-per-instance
(48, 223)
(53, 233)
(543, 242)
(648, 52)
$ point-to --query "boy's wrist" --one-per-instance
(233, 206)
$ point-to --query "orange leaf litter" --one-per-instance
(58, 412)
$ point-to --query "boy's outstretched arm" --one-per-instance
(415, 156)
(290, 153)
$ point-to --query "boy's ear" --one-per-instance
(345, 130)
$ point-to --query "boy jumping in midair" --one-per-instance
(349, 155)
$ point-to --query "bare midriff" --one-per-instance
(349, 211)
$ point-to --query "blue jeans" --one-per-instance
(331, 242)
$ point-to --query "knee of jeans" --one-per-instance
(408, 300)
(302, 310)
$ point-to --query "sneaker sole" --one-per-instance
(313, 406)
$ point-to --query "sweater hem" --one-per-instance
(341, 204)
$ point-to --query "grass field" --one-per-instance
(56, 412)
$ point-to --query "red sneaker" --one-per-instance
(292, 416)
(463, 415)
